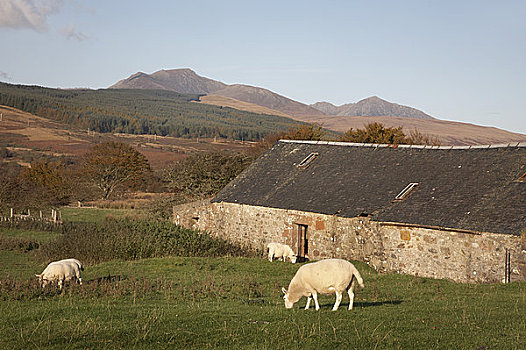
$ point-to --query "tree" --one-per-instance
(114, 165)
(49, 183)
(378, 133)
(312, 132)
(12, 193)
(375, 133)
(203, 175)
(417, 138)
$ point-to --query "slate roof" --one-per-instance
(465, 188)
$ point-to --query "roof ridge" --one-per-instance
(378, 145)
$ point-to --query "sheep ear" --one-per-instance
(283, 290)
(37, 275)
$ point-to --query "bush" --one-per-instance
(135, 239)
(21, 244)
(203, 175)
(378, 133)
(33, 225)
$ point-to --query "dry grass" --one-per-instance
(244, 106)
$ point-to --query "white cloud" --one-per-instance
(30, 14)
(70, 33)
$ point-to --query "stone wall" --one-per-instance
(459, 256)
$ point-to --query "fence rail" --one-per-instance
(56, 216)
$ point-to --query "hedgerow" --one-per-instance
(129, 239)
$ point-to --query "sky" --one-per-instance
(455, 60)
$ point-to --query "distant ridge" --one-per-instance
(371, 107)
(186, 81)
(337, 118)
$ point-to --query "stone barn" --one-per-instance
(444, 212)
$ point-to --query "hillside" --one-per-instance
(371, 107)
(28, 137)
(448, 132)
(224, 101)
(267, 99)
(139, 111)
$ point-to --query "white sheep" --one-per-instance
(325, 277)
(60, 271)
(79, 265)
(278, 250)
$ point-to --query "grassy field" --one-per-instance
(236, 303)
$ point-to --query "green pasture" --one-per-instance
(235, 303)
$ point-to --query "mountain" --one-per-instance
(268, 99)
(337, 118)
(186, 81)
(326, 108)
(371, 107)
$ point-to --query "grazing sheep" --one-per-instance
(79, 265)
(278, 250)
(325, 277)
(60, 271)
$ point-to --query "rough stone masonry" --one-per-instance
(437, 253)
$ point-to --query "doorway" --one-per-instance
(303, 243)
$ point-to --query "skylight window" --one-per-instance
(406, 191)
(305, 162)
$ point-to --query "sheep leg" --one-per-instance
(60, 283)
(315, 297)
(351, 294)
(270, 256)
(338, 301)
(308, 303)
